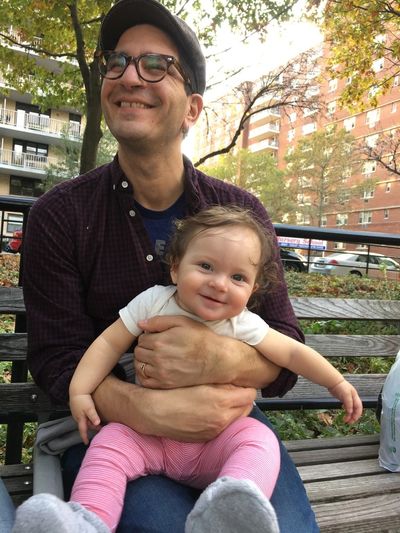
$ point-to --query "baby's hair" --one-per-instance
(221, 216)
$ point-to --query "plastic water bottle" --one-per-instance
(389, 449)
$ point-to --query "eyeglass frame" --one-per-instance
(171, 61)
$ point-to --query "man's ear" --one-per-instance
(194, 108)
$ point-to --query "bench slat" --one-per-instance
(339, 489)
(322, 472)
(355, 345)
(364, 515)
(346, 308)
(331, 442)
(11, 300)
(334, 455)
(25, 398)
(13, 346)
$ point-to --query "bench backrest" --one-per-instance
(22, 401)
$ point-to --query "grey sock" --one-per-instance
(45, 513)
(232, 506)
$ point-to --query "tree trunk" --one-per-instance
(93, 132)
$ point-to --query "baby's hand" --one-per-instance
(347, 394)
(84, 412)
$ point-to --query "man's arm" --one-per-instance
(180, 352)
(169, 413)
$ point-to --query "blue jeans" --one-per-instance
(7, 510)
(156, 504)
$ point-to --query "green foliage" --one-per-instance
(67, 33)
(259, 174)
(354, 31)
(313, 423)
(318, 169)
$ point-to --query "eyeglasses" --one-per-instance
(150, 67)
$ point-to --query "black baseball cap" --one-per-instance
(127, 13)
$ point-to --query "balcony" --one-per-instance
(37, 128)
(23, 164)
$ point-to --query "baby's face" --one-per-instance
(217, 274)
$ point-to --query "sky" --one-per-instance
(283, 42)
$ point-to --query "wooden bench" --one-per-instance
(348, 490)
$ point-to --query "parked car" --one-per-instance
(293, 261)
(355, 263)
(14, 244)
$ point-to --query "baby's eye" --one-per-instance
(238, 277)
(205, 266)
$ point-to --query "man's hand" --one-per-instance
(177, 352)
(191, 414)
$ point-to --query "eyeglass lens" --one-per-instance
(150, 67)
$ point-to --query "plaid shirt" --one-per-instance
(87, 254)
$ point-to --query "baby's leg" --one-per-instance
(247, 456)
(115, 456)
(246, 449)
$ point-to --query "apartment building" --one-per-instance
(29, 138)
(375, 209)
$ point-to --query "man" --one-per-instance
(91, 245)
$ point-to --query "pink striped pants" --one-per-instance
(247, 449)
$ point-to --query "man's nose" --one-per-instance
(131, 75)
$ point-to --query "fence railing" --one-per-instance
(25, 160)
(371, 242)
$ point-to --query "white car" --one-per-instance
(341, 264)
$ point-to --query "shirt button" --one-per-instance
(149, 258)
(124, 184)
(132, 213)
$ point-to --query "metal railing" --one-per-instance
(25, 160)
(40, 123)
(386, 243)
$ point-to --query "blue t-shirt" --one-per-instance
(159, 224)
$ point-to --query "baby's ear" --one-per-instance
(255, 288)
(173, 272)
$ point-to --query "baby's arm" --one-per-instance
(97, 362)
(301, 359)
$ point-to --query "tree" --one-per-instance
(258, 173)
(385, 151)
(360, 34)
(66, 31)
(289, 87)
(319, 169)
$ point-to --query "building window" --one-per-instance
(14, 222)
(394, 107)
(339, 245)
(388, 187)
(341, 219)
(332, 85)
(365, 217)
(368, 194)
(309, 128)
(378, 64)
(386, 214)
(349, 123)
(25, 186)
(372, 117)
(291, 134)
(332, 108)
(292, 117)
(324, 221)
(396, 81)
(369, 167)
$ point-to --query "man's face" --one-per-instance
(139, 113)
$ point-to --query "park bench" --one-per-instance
(348, 490)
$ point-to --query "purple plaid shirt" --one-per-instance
(87, 254)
